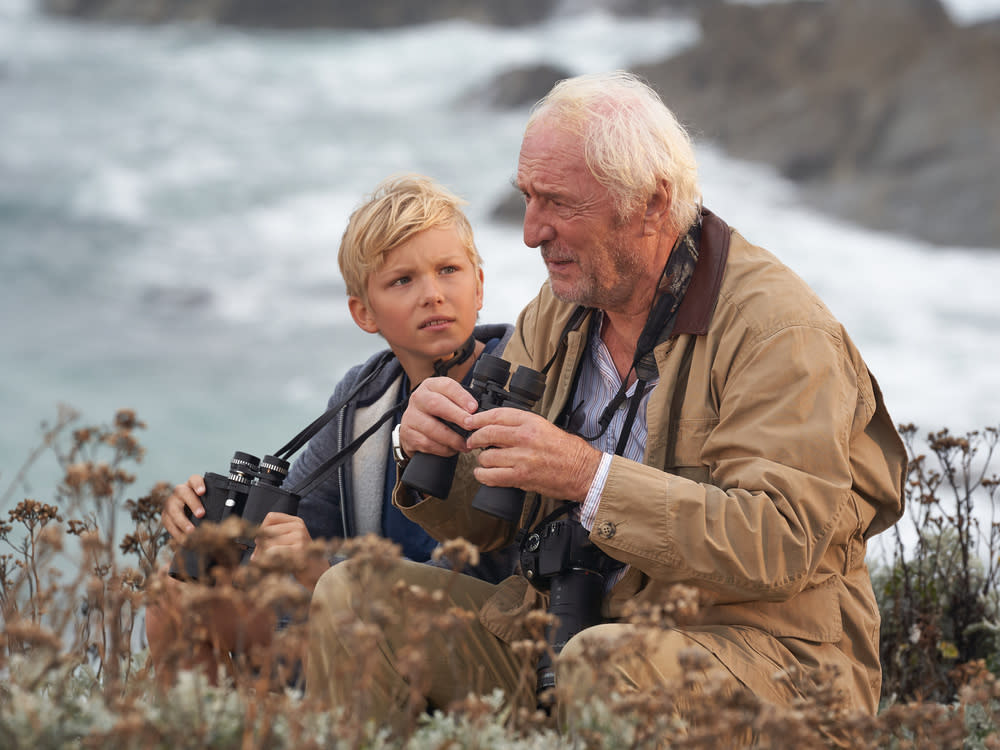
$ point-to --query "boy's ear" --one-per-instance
(479, 290)
(362, 314)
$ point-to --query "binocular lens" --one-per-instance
(272, 470)
(243, 467)
(491, 369)
(528, 384)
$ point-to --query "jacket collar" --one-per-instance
(695, 311)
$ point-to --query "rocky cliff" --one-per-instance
(883, 110)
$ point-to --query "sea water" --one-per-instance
(172, 199)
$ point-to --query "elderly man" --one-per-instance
(705, 419)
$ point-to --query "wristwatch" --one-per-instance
(397, 450)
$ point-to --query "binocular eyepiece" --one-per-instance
(433, 475)
(250, 491)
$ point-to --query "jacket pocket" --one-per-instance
(812, 615)
(688, 439)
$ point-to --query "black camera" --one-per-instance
(433, 475)
(251, 491)
(559, 557)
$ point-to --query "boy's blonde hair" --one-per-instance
(400, 207)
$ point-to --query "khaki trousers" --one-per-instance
(385, 650)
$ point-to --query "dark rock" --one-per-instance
(882, 109)
(517, 88)
(510, 208)
(299, 14)
(135, 11)
(649, 8)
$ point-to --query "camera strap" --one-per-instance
(575, 320)
(659, 325)
(673, 285)
(321, 472)
(321, 421)
(442, 366)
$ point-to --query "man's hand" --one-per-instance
(421, 429)
(187, 495)
(526, 451)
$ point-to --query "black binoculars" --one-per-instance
(433, 475)
(251, 491)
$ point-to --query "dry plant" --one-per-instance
(938, 593)
(95, 613)
(74, 670)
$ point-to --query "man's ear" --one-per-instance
(657, 209)
(362, 314)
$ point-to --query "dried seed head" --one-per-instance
(458, 553)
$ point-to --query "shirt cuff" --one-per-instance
(588, 509)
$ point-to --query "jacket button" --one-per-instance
(606, 530)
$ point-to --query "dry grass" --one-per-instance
(74, 670)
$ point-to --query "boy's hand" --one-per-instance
(280, 530)
(422, 429)
(282, 534)
(187, 495)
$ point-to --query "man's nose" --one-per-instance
(537, 228)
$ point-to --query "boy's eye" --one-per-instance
(449, 269)
(401, 281)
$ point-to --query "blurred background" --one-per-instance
(175, 176)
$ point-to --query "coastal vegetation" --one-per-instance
(73, 661)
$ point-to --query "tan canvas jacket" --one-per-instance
(771, 460)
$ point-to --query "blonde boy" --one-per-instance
(414, 276)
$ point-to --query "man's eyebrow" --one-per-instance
(541, 192)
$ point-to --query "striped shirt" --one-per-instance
(597, 385)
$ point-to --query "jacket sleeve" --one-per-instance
(754, 499)
(454, 517)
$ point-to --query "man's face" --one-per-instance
(424, 300)
(591, 255)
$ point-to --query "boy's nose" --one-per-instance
(432, 290)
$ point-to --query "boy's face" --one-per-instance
(424, 300)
